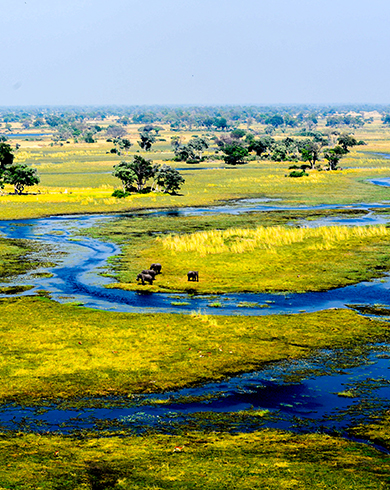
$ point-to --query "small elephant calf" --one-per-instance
(145, 277)
(193, 276)
(150, 272)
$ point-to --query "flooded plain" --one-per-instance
(329, 392)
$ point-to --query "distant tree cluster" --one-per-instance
(148, 135)
(192, 152)
(239, 145)
(345, 120)
(121, 145)
(142, 175)
(75, 122)
(313, 151)
(386, 119)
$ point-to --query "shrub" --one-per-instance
(119, 193)
(296, 173)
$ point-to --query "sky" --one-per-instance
(194, 52)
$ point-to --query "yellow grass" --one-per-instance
(240, 240)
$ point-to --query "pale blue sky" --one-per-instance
(129, 52)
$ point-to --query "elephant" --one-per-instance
(145, 277)
(150, 272)
(193, 276)
(156, 267)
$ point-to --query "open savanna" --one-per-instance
(263, 460)
(77, 178)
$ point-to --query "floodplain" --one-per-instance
(74, 353)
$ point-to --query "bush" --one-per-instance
(195, 160)
(119, 193)
(296, 173)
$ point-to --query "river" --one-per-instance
(330, 392)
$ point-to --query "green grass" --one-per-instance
(273, 258)
(74, 352)
(15, 258)
(77, 179)
(262, 460)
(51, 350)
(377, 432)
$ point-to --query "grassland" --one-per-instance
(250, 252)
(263, 460)
(77, 178)
(74, 352)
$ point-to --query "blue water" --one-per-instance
(268, 398)
(381, 182)
(25, 135)
(77, 276)
(377, 154)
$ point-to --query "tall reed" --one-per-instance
(240, 240)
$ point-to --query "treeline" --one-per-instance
(240, 146)
(75, 122)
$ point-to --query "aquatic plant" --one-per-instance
(267, 459)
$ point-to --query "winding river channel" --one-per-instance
(329, 392)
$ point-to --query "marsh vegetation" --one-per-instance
(75, 352)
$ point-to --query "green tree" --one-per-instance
(310, 153)
(121, 144)
(124, 172)
(346, 141)
(20, 176)
(183, 153)
(279, 153)
(198, 145)
(149, 128)
(386, 119)
(88, 138)
(235, 154)
(147, 140)
(275, 120)
(6, 156)
(208, 122)
(169, 179)
(137, 172)
(220, 123)
(262, 145)
(334, 155)
(238, 133)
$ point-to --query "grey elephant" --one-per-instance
(156, 267)
(193, 276)
(145, 277)
(149, 272)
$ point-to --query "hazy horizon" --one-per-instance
(187, 53)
